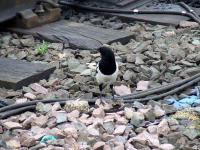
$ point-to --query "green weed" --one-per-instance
(42, 48)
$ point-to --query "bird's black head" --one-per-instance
(107, 64)
(106, 53)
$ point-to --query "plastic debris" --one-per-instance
(184, 103)
(47, 138)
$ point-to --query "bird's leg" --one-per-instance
(111, 87)
(116, 104)
(101, 89)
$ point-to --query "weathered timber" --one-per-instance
(77, 35)
(16, 73)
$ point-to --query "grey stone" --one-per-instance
(176, 53)
(12, 56)
(154, 72)
(73, 63)
(131, 58)
(62, 94)
(109, 127)
(129, 75)
(168, 109)
(120, 139)
(28, 42)
(22, 55)
(153, 84)
(158, 111)
(75, 87)
(96, 21)
(2, 144)
(6, 39)
(128, 112)
(153, 55)
(137, 119)
(86, 72)
(41, 107)
(173, 69)
(15, 42)
(172, 137)
(56, 46)
(69, 82)
(61, 117)
(138, 105)
(146, 70)
(142, 47)
(139, 130)
(139, 60)
(150, 116)
(117, 26)
(191, 133)
(186, 63)
(27, 140)
(79, 69)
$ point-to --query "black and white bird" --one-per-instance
(107, 69)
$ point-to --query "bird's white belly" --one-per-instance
(106, 79)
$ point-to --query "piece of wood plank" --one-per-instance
(16, 73)
(77, 35)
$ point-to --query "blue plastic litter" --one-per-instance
(184, 103)
(192, 99)
(47, 138)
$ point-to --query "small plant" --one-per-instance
(42, 48)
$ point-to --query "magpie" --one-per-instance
(107, 69)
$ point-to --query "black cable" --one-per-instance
(160, 88)
(21, 110)
(16, 111)
(16, 106)
(130, 100)
(134, 11)
(182, 4)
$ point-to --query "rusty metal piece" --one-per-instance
(29, 19)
